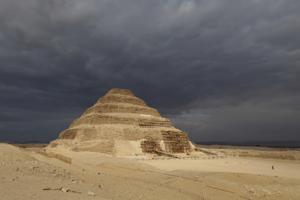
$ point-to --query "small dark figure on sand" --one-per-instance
(272, 167)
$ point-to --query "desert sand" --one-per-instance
(29, 174)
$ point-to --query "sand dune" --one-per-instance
(29, 175)
(281, 168)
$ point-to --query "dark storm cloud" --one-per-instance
(222, 70)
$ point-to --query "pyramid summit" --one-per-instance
(120, 123)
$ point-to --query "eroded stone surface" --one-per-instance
(119, 121)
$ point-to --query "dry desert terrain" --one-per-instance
(30, 174)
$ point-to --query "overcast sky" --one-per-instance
(223, 70)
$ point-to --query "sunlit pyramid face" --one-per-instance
(121, 123)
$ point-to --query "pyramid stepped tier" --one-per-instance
(121, 108)
(121, 98)
(141, 120)
(121, 123)
(123, 132)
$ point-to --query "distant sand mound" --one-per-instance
(10, 152)
(120, 123)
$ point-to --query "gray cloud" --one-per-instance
(216, 67)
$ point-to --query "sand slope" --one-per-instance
(28, 175)
(256, 166)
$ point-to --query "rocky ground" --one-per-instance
(26, 174)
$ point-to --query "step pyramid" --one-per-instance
(122, 124)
